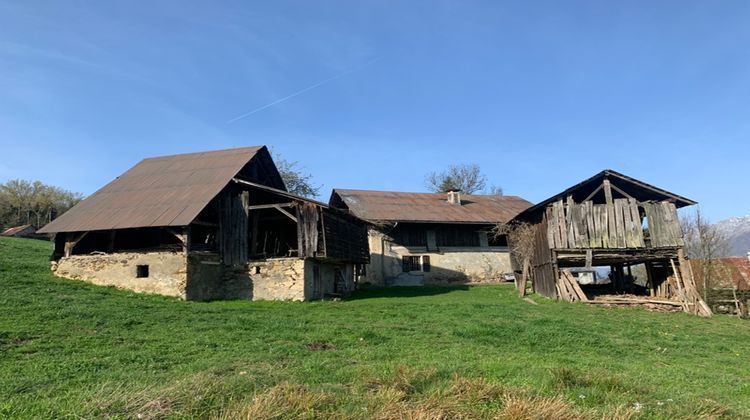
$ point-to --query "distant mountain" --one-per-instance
(737, 230)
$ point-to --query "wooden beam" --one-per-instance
(599, 188)
(624, 194)
(289, 215)
(607, 191)
(71, 241)
(202, 223)
(269, 206)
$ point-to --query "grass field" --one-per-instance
(69, 349)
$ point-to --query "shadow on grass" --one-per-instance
(368, 292)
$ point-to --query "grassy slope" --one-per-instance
(68, 347)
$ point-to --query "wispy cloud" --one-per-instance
(301, 91)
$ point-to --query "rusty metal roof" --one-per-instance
(13, 231)
(427, 207)
(728, 272)
(159, 191)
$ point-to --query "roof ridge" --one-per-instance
(248, 148)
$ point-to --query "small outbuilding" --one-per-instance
(211, 225)
(615, 222)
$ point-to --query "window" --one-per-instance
(411, 263)
(141, 271)
(416, 263)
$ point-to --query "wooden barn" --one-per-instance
(212, 225)
(616, 223)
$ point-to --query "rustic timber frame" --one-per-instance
(617, 221)
(304, 227)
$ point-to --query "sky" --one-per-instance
(377, 94)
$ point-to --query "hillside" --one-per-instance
(70, 349)
(737, 230)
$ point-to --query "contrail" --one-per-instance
(300, 92)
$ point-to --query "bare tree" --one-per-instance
(494, 190)
(296, 181)
(466, 178)
(704, 243)
(521, 242)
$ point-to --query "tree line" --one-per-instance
(24, 202)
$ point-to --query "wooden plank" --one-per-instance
(611, 225)
(286, 213)
(561, 225)
(570, 207)
(607, 191)
(269, 206)
(547, 222)
(619, 225)
(582, 296)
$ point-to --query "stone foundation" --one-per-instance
(167, 271)
(202, 276)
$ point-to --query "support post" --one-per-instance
(607, 191)
(71, 240)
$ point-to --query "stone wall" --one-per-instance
(202, 276)
(276, 279)
(167, 271)
(450, 265)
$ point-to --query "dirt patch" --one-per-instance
(320, 346)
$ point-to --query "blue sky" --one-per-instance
(540, 94)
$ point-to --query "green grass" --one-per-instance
(70, 349)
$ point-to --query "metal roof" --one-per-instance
(733, 272)
(13, 231)
(159, 191)
(428, 207)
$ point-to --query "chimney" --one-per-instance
(454, 197)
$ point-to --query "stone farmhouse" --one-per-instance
(426, 238)
(213, 225)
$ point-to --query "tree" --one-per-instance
(296, 181)
(467, 178)
(705, 243)
(33, 202)
(520, 237)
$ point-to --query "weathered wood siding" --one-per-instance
(344, 239)
(233, 227)
(663, 225)
(308, 219)
(542, 264)
(589, 225)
